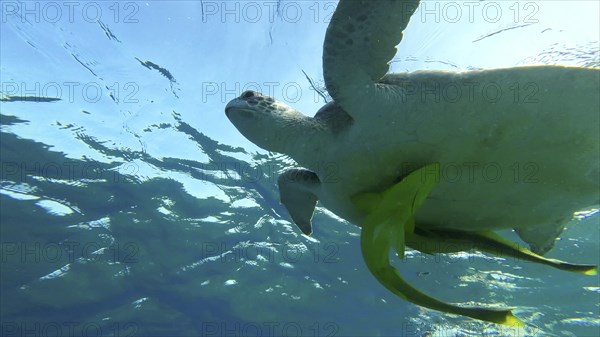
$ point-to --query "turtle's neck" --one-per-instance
(300, 137)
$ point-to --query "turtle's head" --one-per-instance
(270, 124)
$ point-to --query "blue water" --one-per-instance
(129, 206)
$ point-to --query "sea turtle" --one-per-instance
(514, 147)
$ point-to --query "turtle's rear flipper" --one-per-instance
(541, 238)
(492, 243)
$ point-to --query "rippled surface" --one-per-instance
(130, 206)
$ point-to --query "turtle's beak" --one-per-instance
(243, 102)
(233, 104)
(238, 107)
(229, 106)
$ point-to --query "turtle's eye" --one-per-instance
(248, 94)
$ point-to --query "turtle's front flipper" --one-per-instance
(492, 243)
(391, 217)
(359, 44)
(297, 192)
